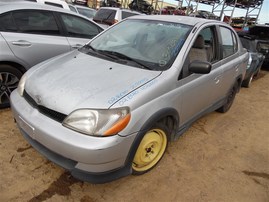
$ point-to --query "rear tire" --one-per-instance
(247, 83)
(229, 99)
(258, 72)
(9, 80)
(150, 150)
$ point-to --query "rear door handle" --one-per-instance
(22, 43)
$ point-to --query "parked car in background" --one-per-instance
(81, 2)
(261, 35)
(263, 47)
(83, 10)
(204, 14)
(110, 108)
(255, 59)
(107, 16)
(56, 3)
(31, 33)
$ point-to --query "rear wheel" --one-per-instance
(229, 99)
(151, 149)
(9, 79)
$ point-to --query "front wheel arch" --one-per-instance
(168, 117)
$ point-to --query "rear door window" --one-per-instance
(229, 43)
(36, 22)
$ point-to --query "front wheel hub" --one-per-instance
(150, 150)
(8, 82)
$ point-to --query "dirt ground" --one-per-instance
(222, 157)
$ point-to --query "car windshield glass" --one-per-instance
(143, 43)
(248, 44)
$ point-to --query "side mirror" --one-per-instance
(200, 67)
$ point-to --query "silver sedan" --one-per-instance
(110, 108)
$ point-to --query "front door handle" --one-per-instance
(22, 43)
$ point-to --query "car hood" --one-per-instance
(77, 80)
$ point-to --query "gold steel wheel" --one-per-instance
(150, 150)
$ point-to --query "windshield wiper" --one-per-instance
(124, 57)
(88, 46)
(97, 52)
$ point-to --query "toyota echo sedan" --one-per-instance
(110, 108)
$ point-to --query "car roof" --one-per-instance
(176, 19)
(19, 5)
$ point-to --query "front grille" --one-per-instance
(57, 116)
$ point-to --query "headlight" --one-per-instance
(249, 61)
(98, 122)
(21, 85)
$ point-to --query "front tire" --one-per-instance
(151, 149)
(9, 80)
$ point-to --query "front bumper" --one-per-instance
(87, 158)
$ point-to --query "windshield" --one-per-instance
(142, 43)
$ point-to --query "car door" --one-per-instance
(34, 35)
(201, 91)
(78, 30)
(231, 60)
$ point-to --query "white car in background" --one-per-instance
(57, 3)
(83, 10)
(107, 16)
(31, 33)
